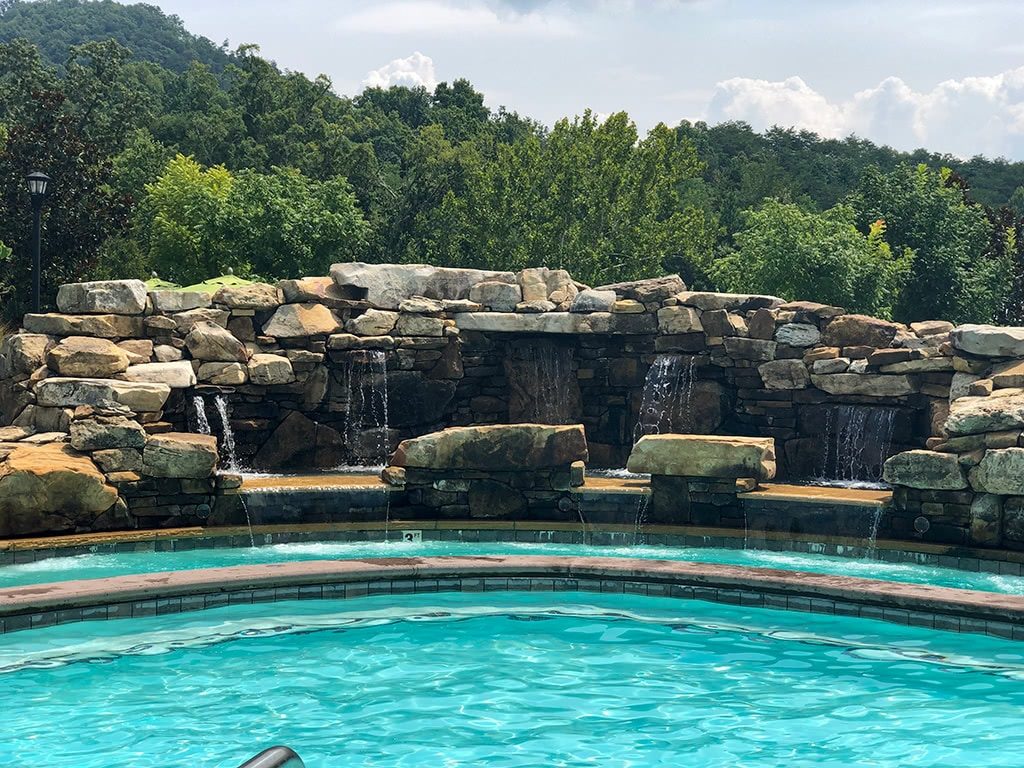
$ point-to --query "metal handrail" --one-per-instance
(275, 757)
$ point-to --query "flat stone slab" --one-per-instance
(704, 456)
(557, 322)
(119, 297)
(989, 340)
(386, 285)
(927, 470)
(500, 447)
(141, 397)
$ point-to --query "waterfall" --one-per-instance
(227, 436)
(541, 382)
(856, 443)
(366, 417)
(667, 395)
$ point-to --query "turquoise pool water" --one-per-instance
(507, 681)
(100, 565)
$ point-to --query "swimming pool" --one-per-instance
(508, 680)
(90, 566)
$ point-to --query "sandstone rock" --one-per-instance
(979, 388)
(655, 289)
(704, 456)
(971, 415)
(755, 350)
(208, 341)
(678, 319)
(14, 434)
(117, 297)
(821, 353)
(165, 353)
(761, 324)
(989, 340)
(101, 326)
(100, 432)
(180, 454)
(536, 306)
(1006, 375)
(316, 290)
(269, 370)
(138, 350)
(784, 374)
(386, 285)
(720, 322)
(867, 385)
(543, 284)
(931, 327)
(812, 309)
(251, 296)
(421, 305)
(169, 302)
(292, 321)
(50, 488)
(69, 393)
(798, 334)
(23, 352)
(87, 356)
(496, 295)
(732, 301)
(961, 385)
(926, 470)
(628, 307)
(373, 322)
(460, 305)
(1000, 472)
(591, 300)
(830, 365)
(184, 322)
(223, 374)
(418, 325)
(859, 330)
(176, 375)
(118, 460)
(496, 447)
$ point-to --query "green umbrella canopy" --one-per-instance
(215, 283)
(156, 284)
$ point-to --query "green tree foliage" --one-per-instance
(787, 251)
(56, 25)
(195, 222)
(963, 260)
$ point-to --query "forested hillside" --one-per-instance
(169, 155)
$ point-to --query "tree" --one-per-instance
(957, 274)
(789, 252)
(197, 222)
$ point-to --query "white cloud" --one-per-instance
(412, 71)
(434, 17)
(964, 117)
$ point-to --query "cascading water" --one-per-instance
(227, 435)
(202, 421)
(366, 417)
(541, 378)
(668, 391)
(856, 443)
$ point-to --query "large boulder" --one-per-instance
(928, 470)
(50, 488)
(251, 296)
(989, 340)
(496, 295)
(386, 285)
(590, 300)
(23, 352)
(180, 454)
(141, 397)
(294, 321)
(168, 301)
(860, 331)
(99, 432)
(784, 374)
(102, 326)
(87, 356)
(704, 456)
(679, 319)
(655, 289)
(543, 284)
(495, 447)
(974, 415)
(269, 370)
(117, 297)
(208, 341)
(176, 375)
(316, 290)
(1000, 472)
(373, 322)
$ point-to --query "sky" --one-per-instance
(947, 75)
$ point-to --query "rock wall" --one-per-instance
(304, 371)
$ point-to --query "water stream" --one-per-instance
(855, 444)
(366, 415)
(668, 391)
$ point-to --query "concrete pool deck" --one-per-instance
(179, 591)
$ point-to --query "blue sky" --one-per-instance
(947, 75)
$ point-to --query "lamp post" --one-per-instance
(37, 187)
